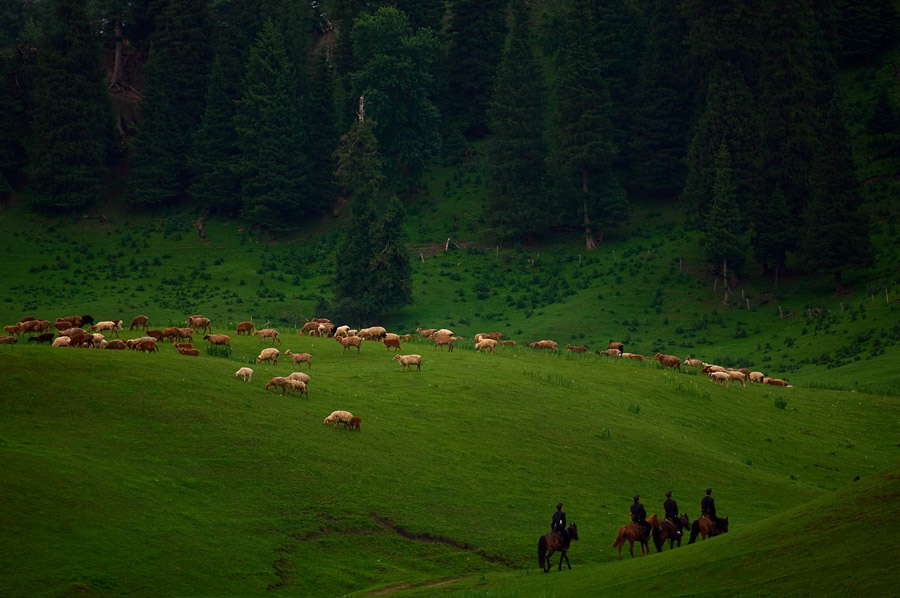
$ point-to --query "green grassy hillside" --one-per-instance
(129, 473)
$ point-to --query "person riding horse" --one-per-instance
(708, 507)
(558, 523)
(671, 509)
(639, 516)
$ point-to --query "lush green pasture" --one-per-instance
(157, 474)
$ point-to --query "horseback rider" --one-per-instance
(558, 523)
(671, 509)
(708, 507)
(639, 516)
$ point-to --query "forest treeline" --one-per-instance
(275, 110)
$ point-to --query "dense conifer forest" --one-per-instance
(273, 112)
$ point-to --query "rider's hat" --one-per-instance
(709, 490)
(637, 497)
(559, 506)
(669, 493)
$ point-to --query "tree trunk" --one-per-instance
(589, 240)
(838, 283)
(117, 81)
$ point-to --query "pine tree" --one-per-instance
(72, 122)
(883, 119)
(272, 166)
(358, 171)
(516, 153)
(774, 232)
(866, 28)
(584, 149)
(321, 133)
(837, 233)
(722, 237)
(391, 270)
(395, 78)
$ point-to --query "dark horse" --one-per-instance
(706, 527)
(667, 530)
(555, 541)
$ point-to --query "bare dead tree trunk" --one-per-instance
(589, 239)
(118, 81)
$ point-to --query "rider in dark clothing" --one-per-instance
(639, 515)
(708, 506)
(558, 523)
(671, 509)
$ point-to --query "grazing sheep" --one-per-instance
(299, 376)
(391, 341)
(76, 320)
(720, 378)
(373, 333)
(544, 344)
(59, 324)
(146, 346)
(341, 331)
(634, 356)
(486, 343)
(427, 332)
(45, 337)
(693, 363)
(17, 329)
(299, 358)
(338, 417)
(82, 340)
(61, 341)
(442, 341)
(115, 326)
(184, 345)
(737, 375)
(155, 334)
(757, 377)
(140, 322)
(199, 323)
(267, 333)
(268, 355)
(83, 320)
(407, 361)
(279, 382)
(245, 328)
(34, 325)
(668, 361)
(171, 333)
(774, 381)
(299, 386)
(116, 344)
(8, 340)
(245, 373)
(97, 340)
(712, 368)
(354, 422)
(610, 353)
(493, 335)
(72, 331)
(133, 342)
(350, 341)
(617, 345)
(189, 352)
(184, 334)
(576, 348)
(218, 339)
(508, 343)
(309, 328)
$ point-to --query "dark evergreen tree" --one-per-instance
(395, 77)
(423, 13)
(72, 124)
(665, 98)
(516, 154)
(358, 171)
(391, 271)
(477, 30)
(774, 232)
(866, 28)
(883, 119)
(583, 149)
(722, 238)
(272, 165)
(837, 233)
(321, 133)
(724, 35)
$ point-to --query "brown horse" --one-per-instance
(633, 532)
(706, 527)
(552, 542)
(667, 530)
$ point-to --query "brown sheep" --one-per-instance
(218, 339)
(199, 322)
(737, 375)
(350, 341)
(184, 334)
(157, 334)
(486, 343)
(270, 333)
(668, 361)
(354, 422)
(245, 328)
(184, 345)
(171, 333)
(59, 324)
(693, 363)
(140, 322)
(8, 340)
(82, 340)
(299, 358)
(576, 348)
(610, 353)
(189, 352)
(17, 329)
(508, 343)
(617, 345)
(309, 328)
(407, 361)
(442, 341)
(279, 382)
(116, 344)
(774, 381)
(46, 337)
(426, 333)
(391, 341)
(146, 346)
(544, 344)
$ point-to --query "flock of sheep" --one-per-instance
(71, 332)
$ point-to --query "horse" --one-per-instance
(666, 530)
(633, 532)
(706, 527)
(555, 541)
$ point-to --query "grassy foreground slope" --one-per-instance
(127, 473)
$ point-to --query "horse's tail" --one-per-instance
(695, 531)
(620, 538)
(542, 552)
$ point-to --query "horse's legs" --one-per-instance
(631, 547)
(568, 564)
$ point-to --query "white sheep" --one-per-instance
(341, 331)
(107, 325)
(299, 386)
(299, 376)
(757, 377)
(61, 341)
(267, 355)
(486, 343)
(338, 417)
(409, 361)
(720, 378)
(245, 373)
(739, 376)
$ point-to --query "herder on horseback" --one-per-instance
(671, 509)
(639, 516)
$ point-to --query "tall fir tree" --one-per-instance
(722, 238)
(73, 134)
(394, 75)
(321, 132)
(584, 149)
(516, 153)
(476, 34)
(837, 233)
(272, 166)
(866, 28)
